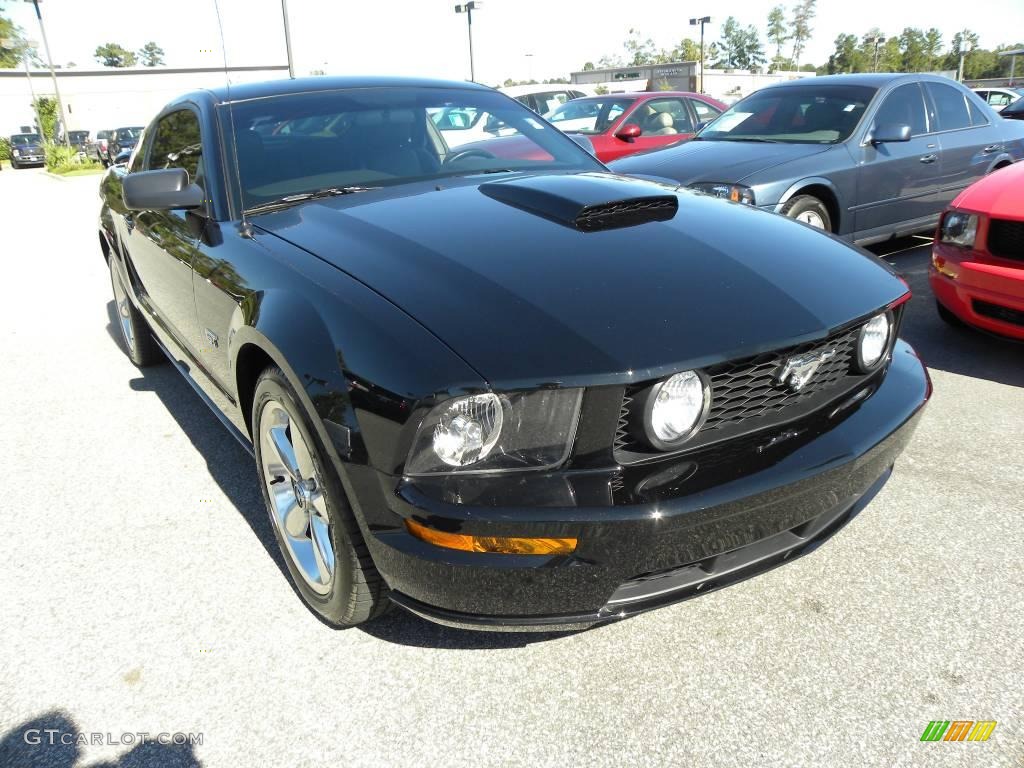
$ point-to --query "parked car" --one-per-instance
(977, 269)
(79, 140)
(542, 98)
(462, 125)
(120, 139)
(97, 148)
(998, 98)
(27, 149)
(501, 392)
(867, 156)
(626, 123)
(1014, 111)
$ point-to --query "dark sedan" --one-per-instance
(1014, 111)
(27, 149)
(501, 392)
(868, 157)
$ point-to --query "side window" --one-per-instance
(904, 106)
(139, 153)
(662, 117)
(950, 107)
(998, 99)
(977, 115)
(177, 144)
(705, 112)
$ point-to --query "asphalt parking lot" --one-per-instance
(142, 592)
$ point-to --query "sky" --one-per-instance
(521, 39)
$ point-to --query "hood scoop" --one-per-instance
(589, 202)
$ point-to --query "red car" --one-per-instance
(977, 270)
(620, 124)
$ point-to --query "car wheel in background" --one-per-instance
(138, 340)
(319, 538)
(810, 210)
(14, 163)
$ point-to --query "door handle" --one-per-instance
(930, 158)
(992, 148)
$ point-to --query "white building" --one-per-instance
(109, 98)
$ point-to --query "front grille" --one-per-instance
(627, 213)
(1006, 239)
(746, 395)
(996, 312)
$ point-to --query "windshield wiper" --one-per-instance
(302, 197)
(750, 138)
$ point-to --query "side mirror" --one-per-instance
(162, 190)
(890, 132)
(583, 141)
(628, 132)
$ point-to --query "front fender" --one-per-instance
(812, 181)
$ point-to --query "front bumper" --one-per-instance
(958, 282)
(31, 159)
(649, 535)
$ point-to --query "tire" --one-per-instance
(136, 338)
(948, 316)
(309, 509)
(810, 210)
(14, 163)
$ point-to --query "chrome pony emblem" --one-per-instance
(799, 369)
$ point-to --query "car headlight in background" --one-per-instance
(676, 409)
(959, 229)
(735, 192)
(17, 153)
(874, 341)
(496, 432)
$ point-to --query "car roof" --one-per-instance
(871, 79)
(263, 89)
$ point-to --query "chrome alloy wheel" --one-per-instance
(811, 217)
(298, 506)
(124, 309)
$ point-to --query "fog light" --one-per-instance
(874, 340)
(494, 544)
(676, 408)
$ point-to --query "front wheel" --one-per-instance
(810, 210)
(323, 548)
(14, 163)
(138, 341)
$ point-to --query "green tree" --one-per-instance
(113, 55)
(847, 56)
(803, 14)
(740, 46)
(46, 112)
(638, 50)
(933, 48)
(778, 34)
(588, 67)
(912, 49)
(10, 55)
(152, 55)
(686, 50)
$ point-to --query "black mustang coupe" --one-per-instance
(501, 390)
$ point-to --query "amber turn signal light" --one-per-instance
(500, 544)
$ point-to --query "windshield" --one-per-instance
(78, 135)
(591, 116)
(128, 133)
(24, 139)
(814, 114)
(300, 143)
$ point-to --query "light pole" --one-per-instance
(877, 40)
(288, 39)
(468, 8)
(693, 23)
(964, 41)
(25, 46)
(49, 61)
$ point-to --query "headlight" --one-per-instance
(735, 192)
(17, 153)
(496, 432)
(959, 229)
(873, 341)
(676, 409)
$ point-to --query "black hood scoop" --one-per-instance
(589, 202)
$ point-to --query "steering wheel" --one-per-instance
(466, 153)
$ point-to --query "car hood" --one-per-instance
(28, 147)
(502, 274)
(701, 160)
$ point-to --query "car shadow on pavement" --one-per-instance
(53, 740)
(956, 349)
(234, 472)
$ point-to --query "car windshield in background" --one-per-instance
(24, 139)
(590, 116)
(812, 114)
(78, 136)
(337, 142)
(129, 133)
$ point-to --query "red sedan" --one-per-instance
(977, 270)
(620, 124)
